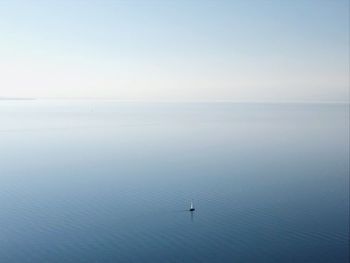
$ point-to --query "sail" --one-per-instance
(191, 207)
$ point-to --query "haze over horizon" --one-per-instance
(175, 51)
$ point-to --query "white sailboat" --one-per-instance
(191, 207)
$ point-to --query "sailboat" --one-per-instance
(191, 207)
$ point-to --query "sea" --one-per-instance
(89, 181)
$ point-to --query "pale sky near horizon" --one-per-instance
(276, 50)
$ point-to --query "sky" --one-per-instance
(181, 50)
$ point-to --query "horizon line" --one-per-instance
(182, 101)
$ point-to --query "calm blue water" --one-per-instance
(89, 181)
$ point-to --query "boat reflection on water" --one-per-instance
(192, 209)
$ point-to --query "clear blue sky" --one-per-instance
(175, 50)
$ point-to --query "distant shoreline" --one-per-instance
(17, 98)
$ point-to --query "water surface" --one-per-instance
(104, 181)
